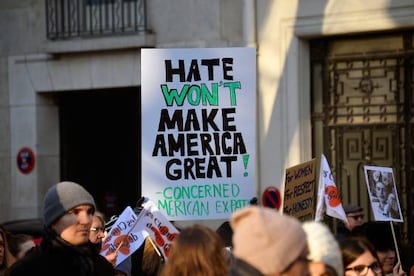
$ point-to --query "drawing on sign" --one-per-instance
(383, 193)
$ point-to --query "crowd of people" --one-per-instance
(256, 241)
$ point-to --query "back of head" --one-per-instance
(378, 233)
(62, 197)
(323, 246)
(226, 233)
(265, 239)
(8, 258)
(197, 250)
(20, 244)
(152, 260)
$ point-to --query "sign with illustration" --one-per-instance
(383, 193)
(300, 190)
(130, 230)
(198, 130)
(124, 237)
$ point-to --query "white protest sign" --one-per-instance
(198, 130)
(383, 193)
(124, 236)
(158, 227)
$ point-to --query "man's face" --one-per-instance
(355, 219)
(380, 192)
(74, 226)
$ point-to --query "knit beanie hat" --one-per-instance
(62, 197)
(323, 246)
(265, 239)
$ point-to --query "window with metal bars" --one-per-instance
(67, 19)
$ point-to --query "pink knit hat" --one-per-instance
(265, 239)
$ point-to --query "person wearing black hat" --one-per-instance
(65, 248)
(355, 216)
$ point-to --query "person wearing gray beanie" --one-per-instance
(65, 249)
(62, 197)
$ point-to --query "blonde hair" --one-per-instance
(197, 250)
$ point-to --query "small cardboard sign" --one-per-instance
(300, 190)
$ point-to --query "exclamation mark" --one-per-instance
(245, 162)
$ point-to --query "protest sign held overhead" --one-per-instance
(299, 190)
(328, 198)
(129, 231)
(198, 130)
(124, 237)
(158, 227)
(383, 193)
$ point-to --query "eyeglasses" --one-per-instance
(97, 229)
(363, 269)
(356, 217)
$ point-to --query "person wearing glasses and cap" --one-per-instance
(65, 249)
(355, 216)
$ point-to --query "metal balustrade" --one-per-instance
(67, 19)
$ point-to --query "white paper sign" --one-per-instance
(198, 130)
(383, 193)
(124, 236)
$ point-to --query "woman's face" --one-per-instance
(365, 264)
(387, 259)
(97, 231)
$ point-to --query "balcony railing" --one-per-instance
(67, 19)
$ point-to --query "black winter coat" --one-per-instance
(55, 256)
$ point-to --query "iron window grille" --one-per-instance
(67, 19)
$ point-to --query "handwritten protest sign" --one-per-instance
(198, 130)
(158, 227)
(383, 193)
(125, 236)
(299, 190)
